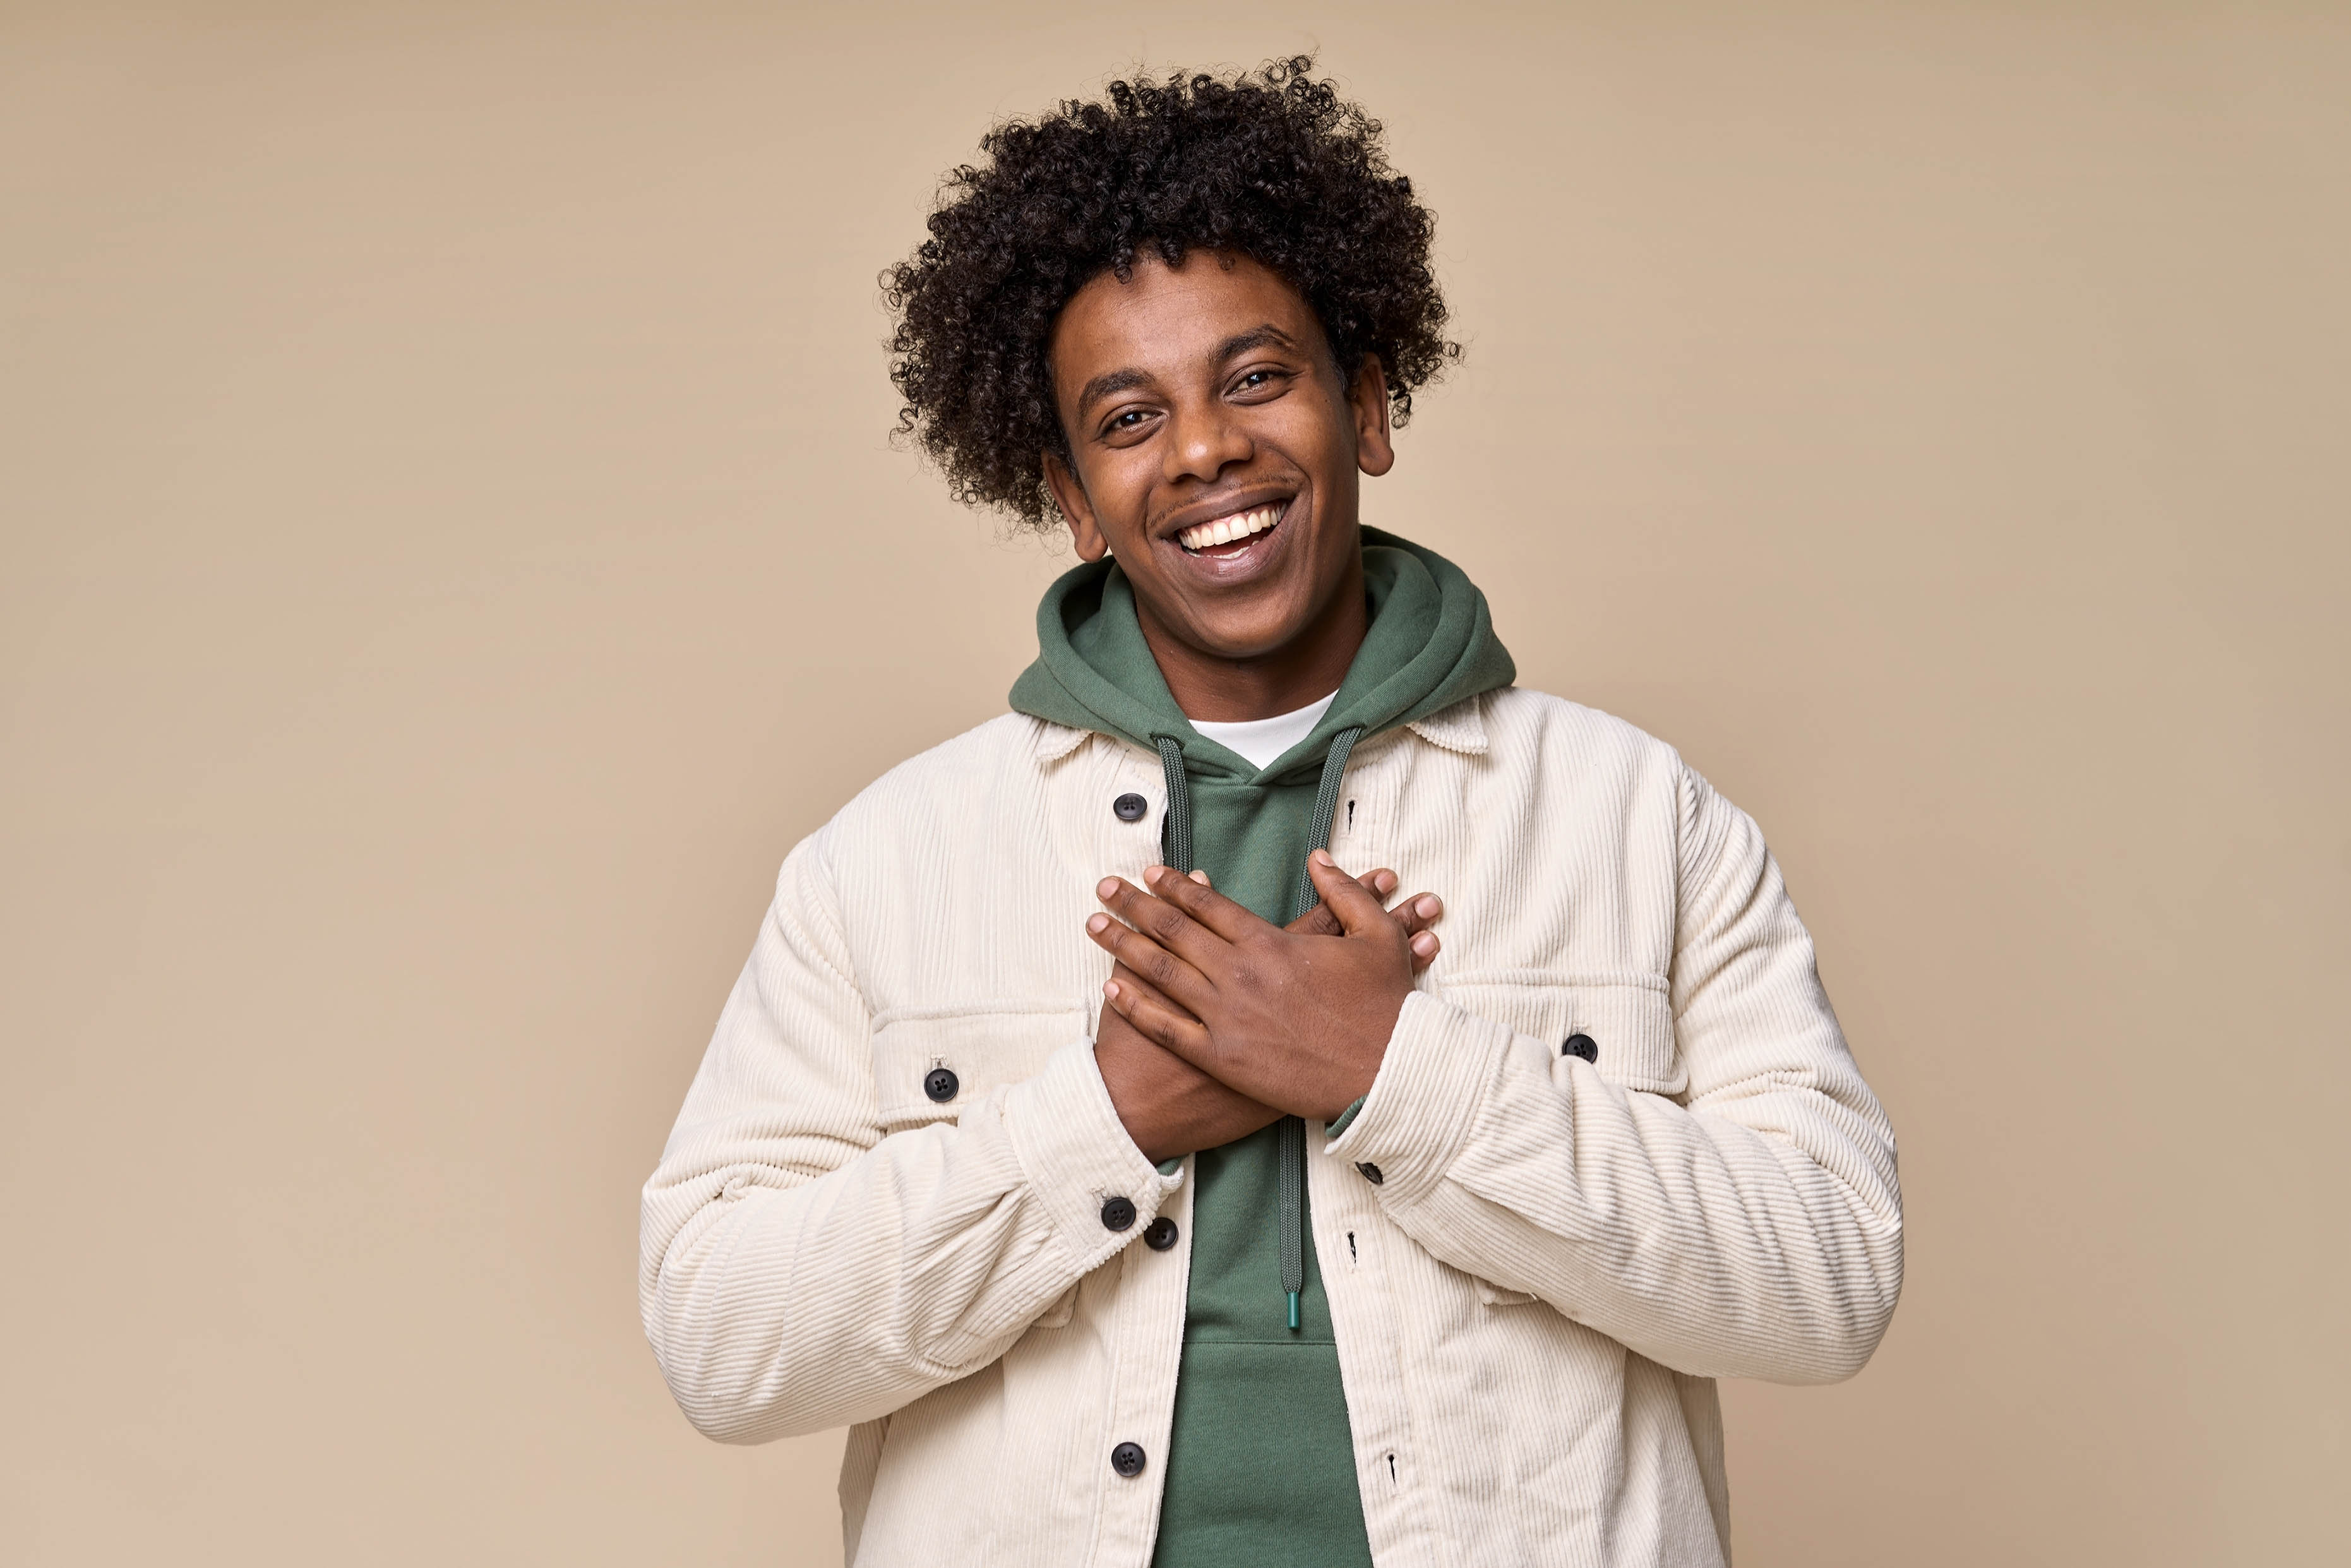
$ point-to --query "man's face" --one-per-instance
(1216, 449)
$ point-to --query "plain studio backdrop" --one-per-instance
(453, 550)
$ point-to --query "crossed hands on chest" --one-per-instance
(1215, 1021)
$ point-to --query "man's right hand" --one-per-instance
(1170, 1107)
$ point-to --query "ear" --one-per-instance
(1367, 395)
(1070, 496)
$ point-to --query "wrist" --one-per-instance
(1348, 1086)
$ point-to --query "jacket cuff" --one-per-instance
(1439, 1065)
(1077, 1155)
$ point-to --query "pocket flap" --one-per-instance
(929, 1065)
(1623, 1028)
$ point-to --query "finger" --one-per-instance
(1162, 920)
(1413, 916)
(1418, 913)
(1320, 921)
(1128, 981)
(1357, 910)
(1211, 909)
(1156, 1022)
(1174, 977)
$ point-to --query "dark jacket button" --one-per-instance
(1129, 808)
(1581, 1045)
(1117, 1214)
(1127, 1459)
(1371, 1173)
(940, 1083)
(1160, 1234)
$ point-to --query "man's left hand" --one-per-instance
(1298, 1022)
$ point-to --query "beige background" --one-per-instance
(452, 552)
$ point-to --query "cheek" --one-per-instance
(1321, 450)
(1119, 486)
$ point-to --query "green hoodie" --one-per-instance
(1262, 1464)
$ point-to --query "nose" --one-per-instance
(1206, 440)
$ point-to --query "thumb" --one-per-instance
(1357, 910)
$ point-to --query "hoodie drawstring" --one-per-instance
(1175, 827)
(1176, 852)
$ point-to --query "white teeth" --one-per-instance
(1224, 530)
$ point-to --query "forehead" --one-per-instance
(1165, 320)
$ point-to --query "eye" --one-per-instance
(1126, 421)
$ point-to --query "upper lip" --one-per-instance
(1230, 502)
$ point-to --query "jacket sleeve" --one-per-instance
(1750, 1228)
(798, 1270)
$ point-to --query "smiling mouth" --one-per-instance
(1221, 537)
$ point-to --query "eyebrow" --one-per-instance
(1262, 336)
(1109, 381)
(1112, 382)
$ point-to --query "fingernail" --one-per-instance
(1097, 923)
(1429, 907)
(1109, 989)
(1106, 887)
(1152, 874)
(1201, 877)
(1424, 944)
(1323, 857)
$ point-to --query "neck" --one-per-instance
(1305, 669)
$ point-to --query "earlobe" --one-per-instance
(1071, 497)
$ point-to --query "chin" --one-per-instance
(1249, 636)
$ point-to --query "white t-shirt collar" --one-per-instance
(1261, 740)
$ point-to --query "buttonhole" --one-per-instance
(1351, 1246)
(1391, 1469)
(1351, 816)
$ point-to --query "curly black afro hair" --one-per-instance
(1272, 164)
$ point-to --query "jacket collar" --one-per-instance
(1460, 727)
(1055, 741)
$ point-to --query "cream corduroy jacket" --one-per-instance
(1533, 1294)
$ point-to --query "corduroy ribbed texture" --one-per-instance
(1529, 1303)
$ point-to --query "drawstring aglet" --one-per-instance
(1293, 1312)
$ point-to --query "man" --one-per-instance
(1331, 1244)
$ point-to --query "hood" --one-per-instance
(1430, 644)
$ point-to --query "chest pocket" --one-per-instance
(1621, 1026)
(930, 1064)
